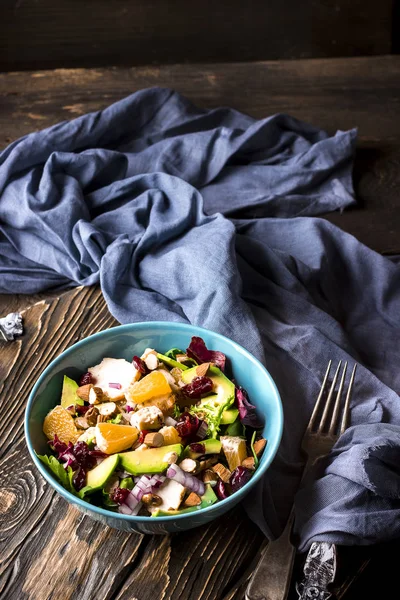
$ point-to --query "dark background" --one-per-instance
(48, 34)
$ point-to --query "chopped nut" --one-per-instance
(151, 362)
(189, 465)
(83, 391)
(202, 369)
(96, 395)
(210, 477)
(259, 446)
(249, 463)
(154, 440)
(192, 500)
(82, 423)
(91, 416)
(151, 500)
(222, 472)
(170, 458)
(102, 419)
(207, 463)
(107, 409)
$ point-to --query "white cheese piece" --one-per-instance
(114, 370)
(149, 417)
(172, 494)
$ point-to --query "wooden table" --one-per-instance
(48, 550)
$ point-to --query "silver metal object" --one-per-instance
(11, 326)
(271, 578)
(319, 572)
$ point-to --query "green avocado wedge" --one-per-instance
(138, 462)
(68, 394)
(229, 416)
(211, 446)
(97, 478)
(207, 499)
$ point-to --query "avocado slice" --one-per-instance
(229, 416)
(152, 460)
(211, 446)
(214, 405)
(98, 477)
(68, 394)
(170, 362)
(207, 499)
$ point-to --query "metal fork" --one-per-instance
(271, 579)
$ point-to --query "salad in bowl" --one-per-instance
(160, 434)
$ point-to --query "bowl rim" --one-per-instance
(86, 506)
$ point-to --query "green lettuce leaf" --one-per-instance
(252, 449)
(64, 476)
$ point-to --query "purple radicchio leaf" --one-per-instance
(247, 412)
(77, 456)
(199, 351)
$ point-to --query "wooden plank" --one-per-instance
(80, 33)
(49, 550)
(334, 94)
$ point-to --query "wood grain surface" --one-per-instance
(333, 94)
(76, 33)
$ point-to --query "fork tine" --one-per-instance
(346, 409)
(329, 399)
(335, 414)
(318, 401)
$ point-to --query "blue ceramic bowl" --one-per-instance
(126, 341)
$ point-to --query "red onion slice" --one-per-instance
(125, 510)
(156, 481)
(170, 422)
(186, 479)
(142, 487)
(117, 386)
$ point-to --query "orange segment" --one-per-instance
(152, 385)
(112, 438)
(59, 422)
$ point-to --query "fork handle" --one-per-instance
(271, 579)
